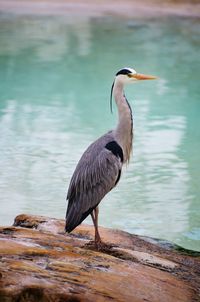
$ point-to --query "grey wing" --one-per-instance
(96, 174)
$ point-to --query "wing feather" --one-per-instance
(95, 175)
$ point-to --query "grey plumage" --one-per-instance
(99, 168)
(96, 174)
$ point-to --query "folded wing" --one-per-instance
(97, 172)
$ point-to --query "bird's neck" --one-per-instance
(124, 130)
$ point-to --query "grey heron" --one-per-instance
(99, 169)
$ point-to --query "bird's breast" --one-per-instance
(116, 149)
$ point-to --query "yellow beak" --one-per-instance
(140, 76)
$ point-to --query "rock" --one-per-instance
(39, 262)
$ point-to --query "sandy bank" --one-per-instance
(127, 8)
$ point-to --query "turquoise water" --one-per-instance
(55, 79)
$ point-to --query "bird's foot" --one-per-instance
(99, 246)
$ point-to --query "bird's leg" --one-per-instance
(97, 235)
(94, 215)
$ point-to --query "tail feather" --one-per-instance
(72, 219)
(75, 216)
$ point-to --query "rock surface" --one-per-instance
(39, 262)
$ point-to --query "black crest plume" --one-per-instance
(111, 96)
(124, 71)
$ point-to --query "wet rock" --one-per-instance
(39, 262)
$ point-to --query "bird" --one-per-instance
(99, 169)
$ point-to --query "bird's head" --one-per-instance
(129, 75)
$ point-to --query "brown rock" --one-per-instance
(39, 262)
